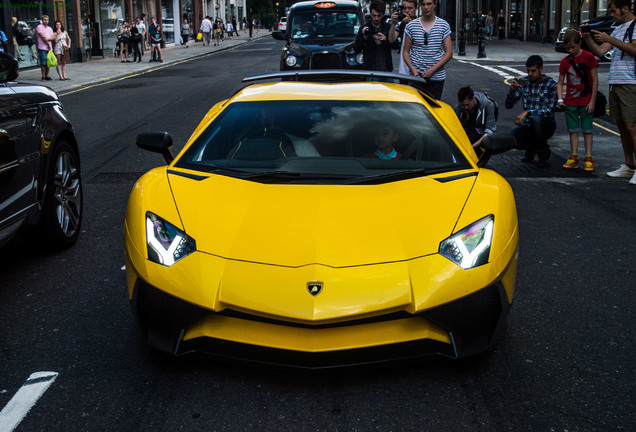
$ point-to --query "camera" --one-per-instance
(585, 29)
(400, 12)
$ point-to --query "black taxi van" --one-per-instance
(320, 35)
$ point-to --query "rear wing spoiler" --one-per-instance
(348, 75)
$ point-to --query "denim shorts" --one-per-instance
(577, 117)
(42, 55)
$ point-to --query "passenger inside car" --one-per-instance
(385, 139)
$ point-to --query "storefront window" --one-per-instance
(566, 15)
(24, 22)
(111, 19)
(167, 17)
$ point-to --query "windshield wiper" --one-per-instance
(293, 175)
(399, 175)
(274, 175)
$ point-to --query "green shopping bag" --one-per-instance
(51, 60)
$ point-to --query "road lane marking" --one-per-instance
(606, 129)
(488, 68)
(24, 399)
(514, 71)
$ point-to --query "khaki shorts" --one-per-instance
(622, 102)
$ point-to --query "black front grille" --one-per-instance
(325, 61)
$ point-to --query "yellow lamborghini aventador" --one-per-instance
(324, 219)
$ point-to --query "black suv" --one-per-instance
(40, 184)
(320, 35)
(604, 24)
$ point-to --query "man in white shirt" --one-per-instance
(141, 27)
(206, 29)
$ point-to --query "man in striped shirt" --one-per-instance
(622, 79)
(535, 125)
(428, 47)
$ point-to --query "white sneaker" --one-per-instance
(623, 171)
(633, 180)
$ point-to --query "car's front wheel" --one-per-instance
(62, 212)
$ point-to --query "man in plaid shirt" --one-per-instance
(535, 125)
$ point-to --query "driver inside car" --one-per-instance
(273, 123)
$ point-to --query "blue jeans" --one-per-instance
(533, 136)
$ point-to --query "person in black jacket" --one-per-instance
(373, 40)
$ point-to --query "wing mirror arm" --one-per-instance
(493, 144)
(156, 142)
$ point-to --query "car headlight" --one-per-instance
(166, 243)
(360, 58)
(291, 61)
(470, 247)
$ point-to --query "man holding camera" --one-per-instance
(622, 79)
(399, 20)
(373, 40)
(477, 113)
(535, 125)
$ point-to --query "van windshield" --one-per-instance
(324, 24)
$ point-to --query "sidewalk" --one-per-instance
(100, 70)
(510, 50)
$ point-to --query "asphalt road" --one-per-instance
(565, 362)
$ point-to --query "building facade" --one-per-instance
(534, 20)
(93, 25)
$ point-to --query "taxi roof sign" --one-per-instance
(325, 5)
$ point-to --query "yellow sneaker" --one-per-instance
(571, 163)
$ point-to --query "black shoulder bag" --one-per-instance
(600, 103)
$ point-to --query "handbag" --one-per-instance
(600, 103)
(199, 36)
(51, 60)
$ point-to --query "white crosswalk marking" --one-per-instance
(489, 68)
(24, 399)
(517, 72)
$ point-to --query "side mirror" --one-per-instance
(156, 142)
(8, 68)
(494, 144)
(279, 35)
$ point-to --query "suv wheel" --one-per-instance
(62, 212)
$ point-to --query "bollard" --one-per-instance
(481, 53)
(462, 42)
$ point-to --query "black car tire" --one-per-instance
(62, 209)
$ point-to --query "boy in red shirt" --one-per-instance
(580, 66)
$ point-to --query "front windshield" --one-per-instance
(324, 141)
(324, 24)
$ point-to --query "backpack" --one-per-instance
(496, 105)
(628, 34)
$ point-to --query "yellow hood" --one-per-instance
(337, 226)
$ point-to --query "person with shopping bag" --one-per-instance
(45, 36)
